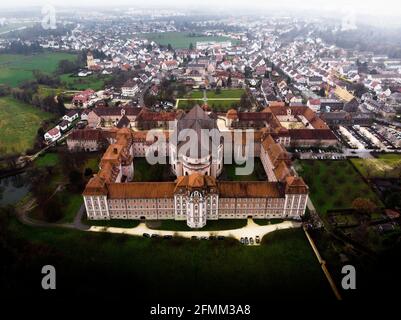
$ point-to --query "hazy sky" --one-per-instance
(373, 7)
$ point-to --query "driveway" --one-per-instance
(250, 230)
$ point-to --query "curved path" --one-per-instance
(250, 230)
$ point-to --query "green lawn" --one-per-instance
(143, 171)
(106, 265)
(196, 96)
(19, 123)
(95, 82)
(384, 166)
(211, 94)
(47, 160)
(180, 40)
(264, 222)
(334, 184)
(111, 223)
(211, 225)
(229, 173)
(16, 68)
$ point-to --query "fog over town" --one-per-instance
(228, 150)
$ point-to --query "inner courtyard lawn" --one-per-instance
(334, 184)
(145, 172)
(229, 172)
(19, 123)
(110, 266)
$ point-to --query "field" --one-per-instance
(222, 101)
(16, 68)
(19, 123)
(95, 82)
(384, 166)
(110, 267)
(180, 40)
(334, 184)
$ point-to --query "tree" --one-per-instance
(364, 206)
(191, 46)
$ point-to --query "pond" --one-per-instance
(13, 189)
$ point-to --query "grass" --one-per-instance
(264, 222)
(384, 166)
(107, 266)
(229, 173)
(334, 184)
(111, 223)
(212, 94)
(95, 82)
(19, 123)
(211, 225)
(143, 171)
(17, 68)
(181, 40)
(232, 96)
(47, 160)
(71, 204)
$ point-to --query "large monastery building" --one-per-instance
(198, 194)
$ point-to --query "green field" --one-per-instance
(212, 94)
(19, 123)
(231, 99)
(95, 82)
(106, 265)
(384, 166)
(16, 68)
(180, 40)
(334, 184)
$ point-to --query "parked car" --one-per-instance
(194, 238)
(250, 240)
(212, 238)
(246, 240)
(146, 235)
(242, 240)
(204, 238)
(257, 239)
(168, 236)
(155, 236)
(221, 237)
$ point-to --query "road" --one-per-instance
(250, 230)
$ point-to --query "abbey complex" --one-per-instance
(198, 193)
